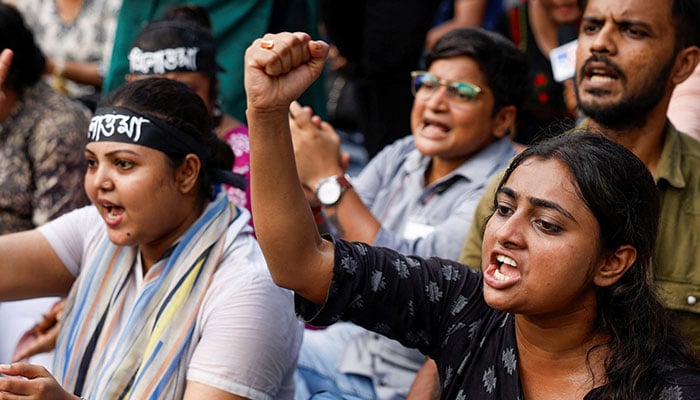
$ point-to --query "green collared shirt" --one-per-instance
(676, 264)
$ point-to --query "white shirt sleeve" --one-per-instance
(69, 235)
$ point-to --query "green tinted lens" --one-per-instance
(463, 91)
(429, 83)
(423, 80)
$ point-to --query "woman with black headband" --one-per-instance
(169, 294)
(180, 46)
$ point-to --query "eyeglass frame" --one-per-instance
(449, 85)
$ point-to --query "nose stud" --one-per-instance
(106, 185)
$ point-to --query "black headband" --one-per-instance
(173, 46)
(177, 59)
(119, 124)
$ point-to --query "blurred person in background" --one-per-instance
(42, 166)
(77, 38)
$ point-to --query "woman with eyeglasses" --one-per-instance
(566, 260)
(416, 196)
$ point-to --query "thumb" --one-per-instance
(318, 50)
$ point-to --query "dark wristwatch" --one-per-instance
(330, 189)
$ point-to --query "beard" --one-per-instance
(632, 110)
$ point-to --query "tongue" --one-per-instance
(116, 211)
(509, 271)
(434, 130)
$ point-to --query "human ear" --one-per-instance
(613, 266)
(187, 174)
(686, 61)
(504, 121)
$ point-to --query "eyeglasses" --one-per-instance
(426, 84)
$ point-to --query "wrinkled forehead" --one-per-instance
(652, 12)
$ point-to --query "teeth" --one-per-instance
(600, 78)
(111, 212)
(506, 260)
(498, 275)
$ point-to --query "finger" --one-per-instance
(41, 344)
(59, 307)
(317, 121)
(288, 48)
(318, 51)
(26, 370)
(300, 51)
(48, 321)
(12, 387)
(257, 55)
(294, 109)
(345, 160)
(326, 127)
(301, 115)
(5, 61)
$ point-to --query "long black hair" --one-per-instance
(620, 192)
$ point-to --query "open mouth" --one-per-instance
(502, 272)
(599, 69)
(435, 125)
(503, 262)
(112, 212)
(601, 75)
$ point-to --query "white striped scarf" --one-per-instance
(150, 357)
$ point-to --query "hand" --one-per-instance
(279, 67)
(316, 146)
(42, 337)
(31, 382)
(5, 62)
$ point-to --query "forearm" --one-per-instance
(83, 72)
(352, 220)
(426, 385)
(87, 73)
(30, 267)
(297, 256)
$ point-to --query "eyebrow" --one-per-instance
(114, 152)
(537, 202)
(620, 23)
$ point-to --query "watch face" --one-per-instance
(329, 192)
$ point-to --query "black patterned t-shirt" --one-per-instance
(437, 306)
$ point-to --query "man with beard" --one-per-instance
(631, 54)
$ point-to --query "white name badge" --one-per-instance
(415, 230)
(563, 59)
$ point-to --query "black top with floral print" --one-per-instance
(438, 307)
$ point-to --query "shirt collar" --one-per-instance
(669, 166)
(670, 162)
(479, 168)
